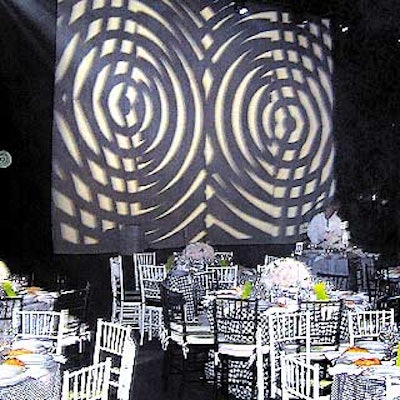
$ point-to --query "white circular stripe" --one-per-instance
(5, 159)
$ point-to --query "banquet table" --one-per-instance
(40, 379)
(362, 383)
(39, 300)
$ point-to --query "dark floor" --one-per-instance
(147, 379)
(147, 382)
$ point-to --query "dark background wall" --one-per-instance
(366, 124)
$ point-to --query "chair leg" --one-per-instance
(183, 378)
(150, 331)
(142, 325)
(166, 368)
(215, 388)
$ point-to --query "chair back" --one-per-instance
(76, 301)
(173, 309)
(50, 325)
(288, 332)
(224, 277)
(325, 318)
(203, 283)
(269, 259)
(87, 383)
(115, 340)
(368, 324)
(151, 277)
(7, 307)
(148, 258)
(117, 278)
(234, 321)
(300, 379)
(110, 338)
(223, 255)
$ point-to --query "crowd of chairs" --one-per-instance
(66, 326)
(112, 368)
(158, 310)
(238, 353)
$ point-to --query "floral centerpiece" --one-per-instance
(287, 272)
(199, 251)
(5, 284)
(4, 271)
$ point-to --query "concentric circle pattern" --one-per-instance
(5, 159)
(189, 121)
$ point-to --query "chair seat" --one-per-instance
(153, 303)
(132, 296)
(131, 304)
(237, 350)
(191, 328)
(192, 339)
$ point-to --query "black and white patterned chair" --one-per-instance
(186, 344)
(235, 325)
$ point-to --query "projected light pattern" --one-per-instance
(189, 121)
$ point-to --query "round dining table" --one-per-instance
(34, 383)
(37, 378)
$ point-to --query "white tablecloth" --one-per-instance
(35, 384)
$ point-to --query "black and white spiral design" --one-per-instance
(196, 123)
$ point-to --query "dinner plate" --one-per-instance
(13, 380)
(32, 344)
(372, 346)
(358, 356)
(385, 370)
(34, 359)
(9, 371)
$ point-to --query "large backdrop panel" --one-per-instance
(189, 121)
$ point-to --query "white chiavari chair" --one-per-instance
(299, 378)
(225, 277)
(368, 324)
(142, 258)
(288, 332)
(151, 277)
(48, 325)
(88, 383)
(115, 340)
(126, 309)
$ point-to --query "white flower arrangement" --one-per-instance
(199, 251)
(4, 271)
(287, 272)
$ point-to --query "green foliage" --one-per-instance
(170, 263)
(8, 289)
(223, 262)
(247, 288)
(320, 291)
